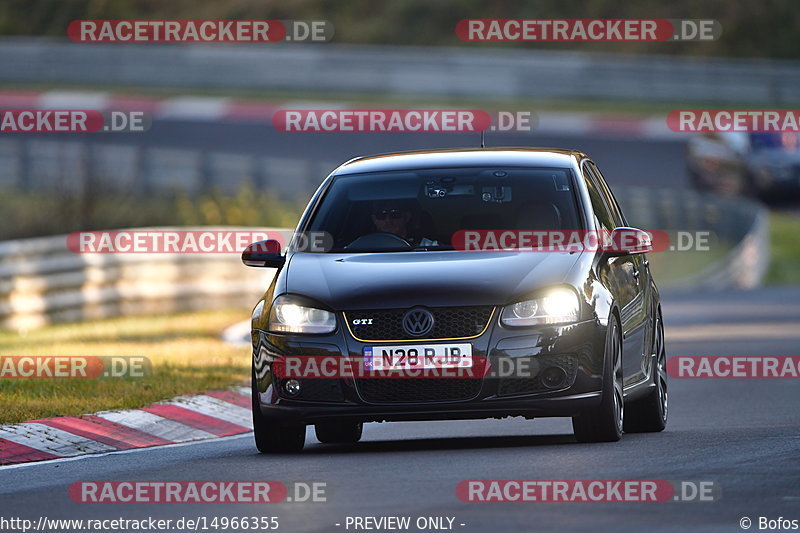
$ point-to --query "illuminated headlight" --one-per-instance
(556, 307)
(289, 317)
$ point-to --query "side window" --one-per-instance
(611, 201)
(599, 207)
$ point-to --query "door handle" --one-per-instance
(636, 273)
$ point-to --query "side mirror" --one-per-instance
(263, 254)
(628, 241)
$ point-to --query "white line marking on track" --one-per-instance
(74, 100)
(194, 107)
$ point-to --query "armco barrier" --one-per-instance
(465, 71)
(41, 281)
(71, 166)
(739, 223)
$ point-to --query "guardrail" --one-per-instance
(739, 224)
(468, 72)
(72, 166)
(42, 281)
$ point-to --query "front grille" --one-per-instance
(413, 390)
(510, 386)
(449, 323)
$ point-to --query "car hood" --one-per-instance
(405, 279)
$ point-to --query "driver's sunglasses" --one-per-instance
(390, 213)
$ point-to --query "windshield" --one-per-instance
(422, 209)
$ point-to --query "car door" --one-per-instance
(642, 327)
(623, 276)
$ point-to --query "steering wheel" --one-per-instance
(380, 240)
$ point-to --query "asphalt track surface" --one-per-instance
(743, 434)
(641, 162)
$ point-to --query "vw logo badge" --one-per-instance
(418, 322)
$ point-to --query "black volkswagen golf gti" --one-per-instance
(436, 329)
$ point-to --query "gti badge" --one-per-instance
(362, 321)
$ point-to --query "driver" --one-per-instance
(395, 217)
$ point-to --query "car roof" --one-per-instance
(453, 158)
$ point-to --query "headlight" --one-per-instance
(287, 316)
(556, 307)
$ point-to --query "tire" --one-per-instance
(271, 436)
(650, 413)
(604, 423)
(338, 432)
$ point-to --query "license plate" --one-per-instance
(417, 356)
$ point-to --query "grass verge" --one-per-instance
(185, 351)
(670, 268)
(784, 267)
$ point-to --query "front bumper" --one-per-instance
(576, 349)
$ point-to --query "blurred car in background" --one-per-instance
(763, 165)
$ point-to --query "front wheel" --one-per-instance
(650, 413)
(271, 436)
(604, 423)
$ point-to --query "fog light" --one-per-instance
(292, 387)
(554, 377)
